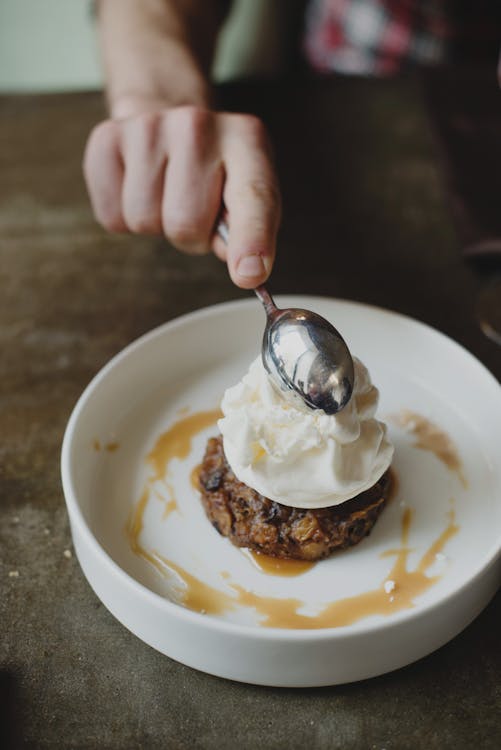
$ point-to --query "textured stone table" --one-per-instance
(367, 217)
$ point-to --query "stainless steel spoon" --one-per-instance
(303, 353)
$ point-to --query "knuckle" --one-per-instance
(110, 220)
(266, 192)
(143, 224)
(195, 125)
(196, 117)
(149, 125)
(103, 134)
(184, 232)
(253, 128)
(101, 140)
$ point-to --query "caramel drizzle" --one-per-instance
(176, 441)
(170, 506)
(429, 437)
(200, 597)
(195, 477)
(194, 594)
(111, 447)
(276, 566)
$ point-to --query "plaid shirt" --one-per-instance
(380, 37)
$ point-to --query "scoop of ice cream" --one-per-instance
(299, 456)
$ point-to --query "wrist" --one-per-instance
(168, 76)
(132, 104)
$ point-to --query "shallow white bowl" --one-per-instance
(187, 364)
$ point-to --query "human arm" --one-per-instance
(165, 161)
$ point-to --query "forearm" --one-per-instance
(157, 53)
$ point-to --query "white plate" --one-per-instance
(186, 365)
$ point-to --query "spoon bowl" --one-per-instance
(304, 354)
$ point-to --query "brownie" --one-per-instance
(251, 520)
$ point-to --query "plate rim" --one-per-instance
(255, 631)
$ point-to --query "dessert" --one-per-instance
(290, 481)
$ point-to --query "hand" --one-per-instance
(171, 171)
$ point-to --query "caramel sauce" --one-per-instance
(283, 613)
(403, 586)
(197, 595)
(135, 522)
(408, 585)
(110, 447)
(429, 437)
(430, 555)
(195, 477)
(170, 506)
(276, 566)
(134, 528)
(176, 442)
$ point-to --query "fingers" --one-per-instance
(155, 172)
(252, 200)
(103, 171)
(193, 180)
(172, 171)
(144, 155)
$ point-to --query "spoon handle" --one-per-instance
(266, 299)
(261, 292)
(222, 230)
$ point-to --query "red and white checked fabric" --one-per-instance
(381, 37)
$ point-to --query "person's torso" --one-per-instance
(380, 37)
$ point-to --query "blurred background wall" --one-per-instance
(50, 45)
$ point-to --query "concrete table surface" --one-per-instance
(366, 217)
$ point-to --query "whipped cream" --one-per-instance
(299, 456)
